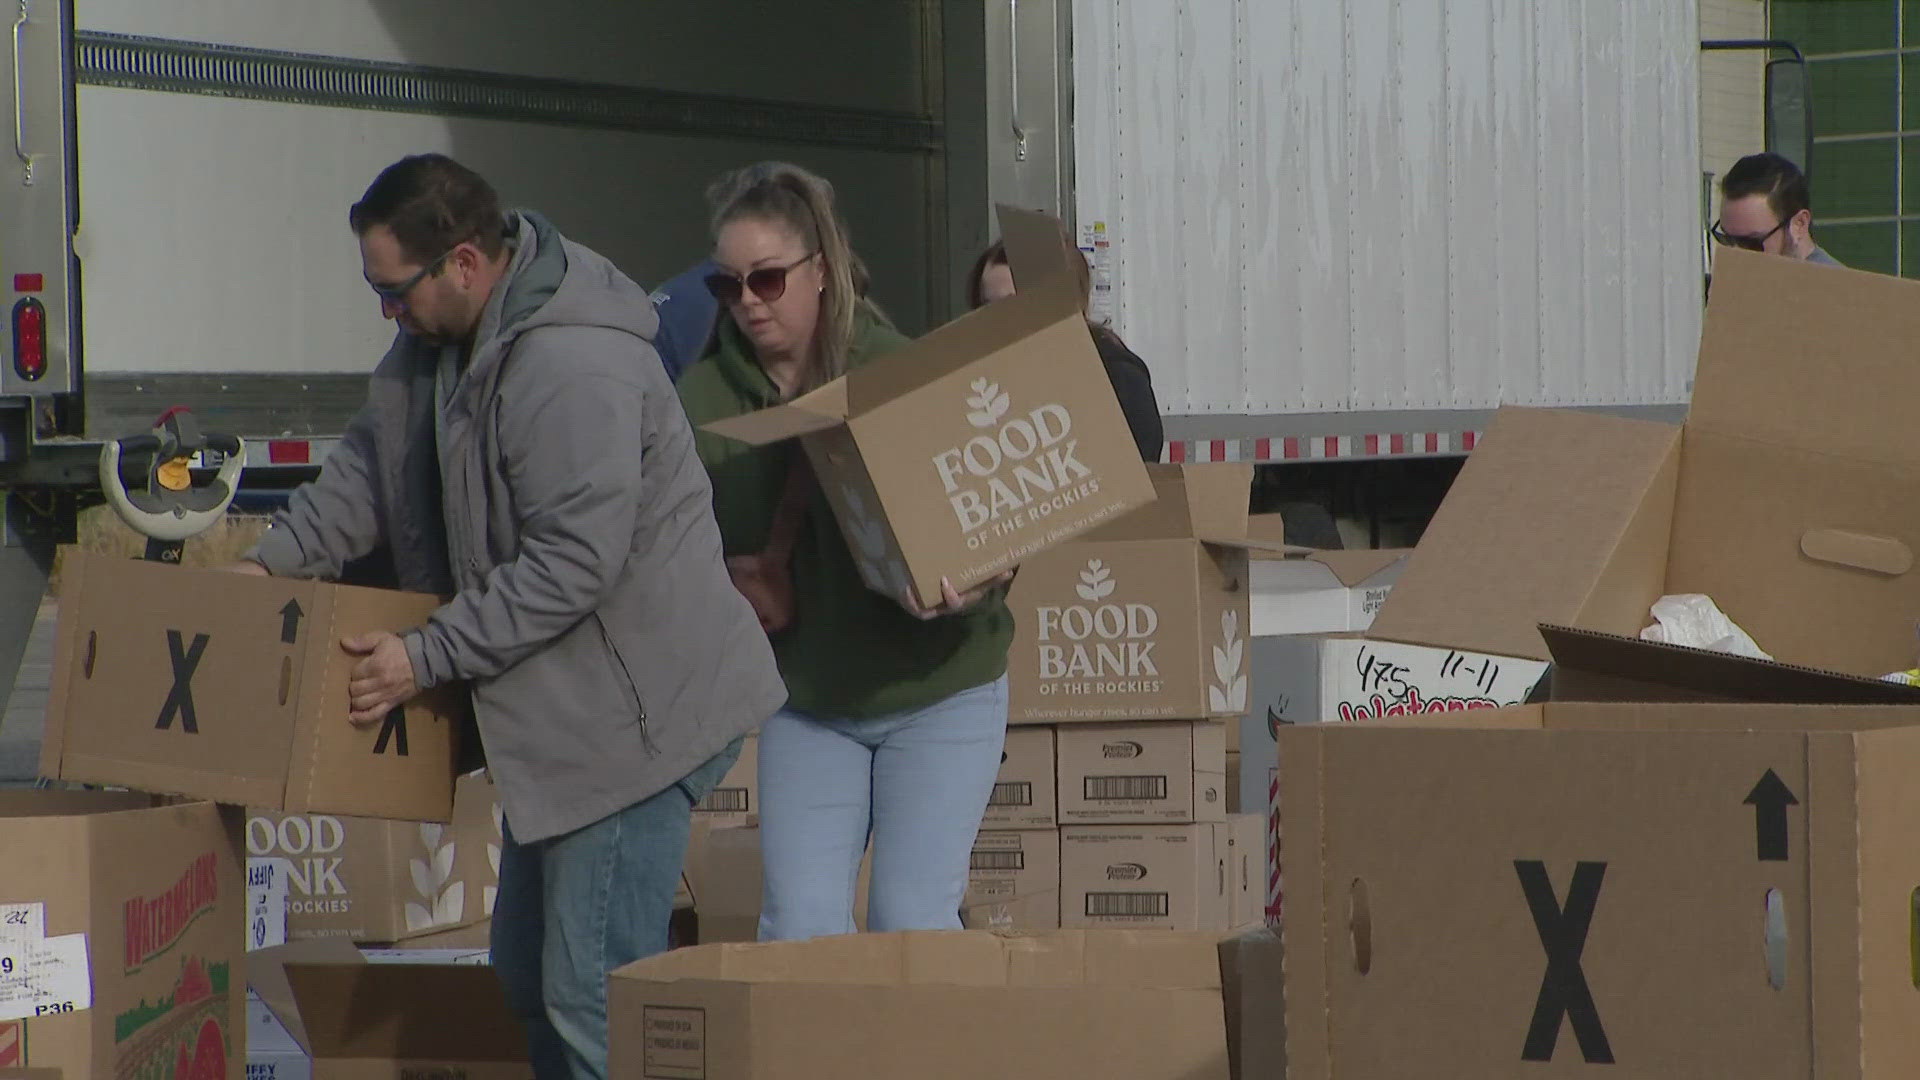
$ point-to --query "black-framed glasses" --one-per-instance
(397, 294)
(769, 283)
(1751, 243)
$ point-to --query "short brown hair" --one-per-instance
(1776, 177)
(432, 204)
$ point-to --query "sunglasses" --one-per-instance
(769, 283)
(1751, 243)
(397, 294)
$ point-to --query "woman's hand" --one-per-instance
(768, 586)
(951, 602)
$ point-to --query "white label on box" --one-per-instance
(267, 903)
(22, 922)
(42, 976)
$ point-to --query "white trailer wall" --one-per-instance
(213, 230)
(1317, 206)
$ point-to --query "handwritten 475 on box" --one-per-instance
(234, 688)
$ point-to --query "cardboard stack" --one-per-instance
(1112, 807)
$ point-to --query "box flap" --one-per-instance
(1198, 501)
(1722, 716)
(949, 348)
(267, 977)
(1529, 530)
(1813, 357)
(417, 1012)
(1039, 251)
(1356, 566)
(815, 411)
(1701, 675)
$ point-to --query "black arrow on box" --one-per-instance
(1770, 799)
(290, 622)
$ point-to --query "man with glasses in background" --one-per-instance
(523, 452)
(1764, 207)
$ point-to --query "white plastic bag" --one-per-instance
(1694, 620)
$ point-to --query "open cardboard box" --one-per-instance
(1121, 1005)
(1144, 618)
(355, 1018)
(1678, 890)
(1787, 496)
(986, 441)
(1317, 592)
(234, 688)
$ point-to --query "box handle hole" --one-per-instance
(1360, 927)
(286, 677)
(1774, 939)
(93, 649)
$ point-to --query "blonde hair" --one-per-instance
(789, 195)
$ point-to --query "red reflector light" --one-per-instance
(289, 452)
(29, 339)
(29, 282)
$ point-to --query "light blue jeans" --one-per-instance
(573, 908)
(916, 782)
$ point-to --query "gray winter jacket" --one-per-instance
(608, 651)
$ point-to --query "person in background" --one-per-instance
(1764, 206)
(522, 452)
(896, 715)
(992, 279)
(687, 312)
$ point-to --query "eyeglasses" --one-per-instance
(769, 283)
(1751, 243)
(397, 294)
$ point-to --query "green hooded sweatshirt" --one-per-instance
(851, 652)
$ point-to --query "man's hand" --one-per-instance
(951, 602)
(244, 566)
(382, 679)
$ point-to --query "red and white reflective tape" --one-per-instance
(1285, 448)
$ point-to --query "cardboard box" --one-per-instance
(1144, 618)
(735, 801)
(122, 931)
(1013, 881)
(933, 1006)
(974, 448)
(1145, 877)
(365, 1019)
(1322, 592)
(1772, 499)
(1166, 772)
(1305, 680)
(1682, 890)
(234, 688)
(724, 874)
(272, 1051)
(1236, 802)
(1025, 795)
(1251, 970)
(382, 881)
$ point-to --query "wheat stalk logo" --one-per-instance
(1096, 582)
(1229, 694)
(987, 404)
(440, 900)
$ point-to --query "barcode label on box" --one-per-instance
(1128, 905)
(1012, 793)
(1130, 788)
(998, 860)
(726, 801)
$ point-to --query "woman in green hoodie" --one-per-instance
(896, 715)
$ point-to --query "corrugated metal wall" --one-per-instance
(1321, 206)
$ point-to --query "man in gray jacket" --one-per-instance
(522, 450)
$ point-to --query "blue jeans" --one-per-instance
(574, 907)
(916, 782)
